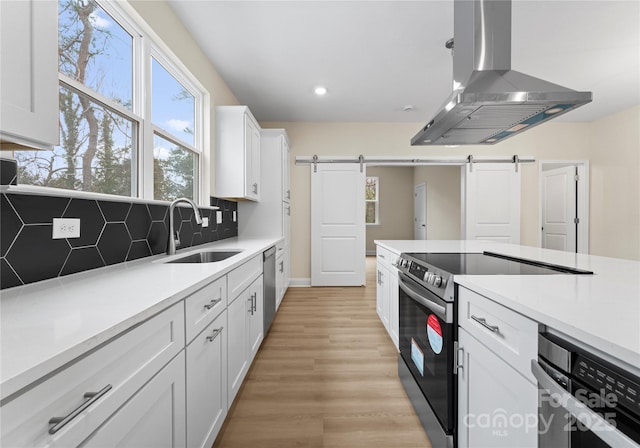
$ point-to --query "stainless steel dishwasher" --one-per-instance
(269, 293)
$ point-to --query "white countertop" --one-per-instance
(47, 324)
(600, 310)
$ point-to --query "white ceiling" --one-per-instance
(375, 57)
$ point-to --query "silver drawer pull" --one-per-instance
(254, 301)
(255, 188)
(482, 321)
(215, 334)
(250, 305)
(60, 422)
(213, 303)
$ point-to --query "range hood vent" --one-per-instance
(490, 102)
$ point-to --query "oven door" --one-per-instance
(427, 346)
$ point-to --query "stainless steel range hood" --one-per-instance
(490, 102)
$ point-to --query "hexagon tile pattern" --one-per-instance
(110, 232)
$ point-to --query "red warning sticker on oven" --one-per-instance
(434, 333)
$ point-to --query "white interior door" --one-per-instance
(559, 208)
(492, 202)
(337, 225)
(420, 212)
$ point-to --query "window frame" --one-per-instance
(146, 44)
(376, 201)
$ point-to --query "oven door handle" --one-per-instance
(437, 309)
(591, 420)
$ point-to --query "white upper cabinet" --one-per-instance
(237, 154)
(29, 73)
(286, 186)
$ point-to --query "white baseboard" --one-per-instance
(371, 252)
(300, 282)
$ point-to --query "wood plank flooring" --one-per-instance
(326, 376)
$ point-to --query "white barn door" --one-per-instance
(559, 209)
(492, 202)
(337, 225)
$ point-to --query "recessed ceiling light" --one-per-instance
(491, 140)
(320, 90)
(408, 108)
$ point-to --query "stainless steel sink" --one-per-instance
(206, 257)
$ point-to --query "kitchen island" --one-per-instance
(601, 310)
(482, 315)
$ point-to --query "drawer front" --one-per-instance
(386, 257)
(204, 305)
(508, 334)
(126, 364)
(243, 276)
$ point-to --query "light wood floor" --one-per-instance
(326, 376)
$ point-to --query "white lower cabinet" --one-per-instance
(154, 417)
(207, 383)
(394, 308)
(245, 320)
(115, 372)
(497, 406)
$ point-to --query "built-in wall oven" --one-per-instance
(584, 401)
(428, 329)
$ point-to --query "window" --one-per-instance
(371, 200)
(132, 120)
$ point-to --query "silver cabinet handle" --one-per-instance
(381, 256)
(59, 422)
(255, 188)
(592, 420)
(458, 365)
(215, 334)
(288, 194)
(213, 303)
(251, 305)
(254, 300)
(282, 266)
(482, 321)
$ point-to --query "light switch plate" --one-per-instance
(205, 222)
(66, 228)
(235, 217)
(219, 217)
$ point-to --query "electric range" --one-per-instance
(428, 328)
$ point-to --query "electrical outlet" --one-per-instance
(66, 228)
(235, 217)
(205, 222)
(219, 217)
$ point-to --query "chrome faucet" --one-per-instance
(174, 239)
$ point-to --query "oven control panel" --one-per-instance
(426, 275)
(626, 390)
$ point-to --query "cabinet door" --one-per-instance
(280, 286)
(252, 157)
(286, 192)
(29, 73)
(237, 343)
(154, 417)
(286, 223)
(256, 318)
(394, 310)
(207, 384)
(497, 407)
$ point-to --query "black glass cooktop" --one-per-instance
(488, 263)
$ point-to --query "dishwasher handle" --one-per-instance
(590, 419)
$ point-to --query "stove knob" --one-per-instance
(426, 277)
(437, 281)
(429, 277)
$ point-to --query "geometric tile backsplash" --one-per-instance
(111, 232)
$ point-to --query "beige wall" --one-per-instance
(443, 200)
(552, 141)
(611, 144)
(615, 185)
(161, 18)
(395, 204)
